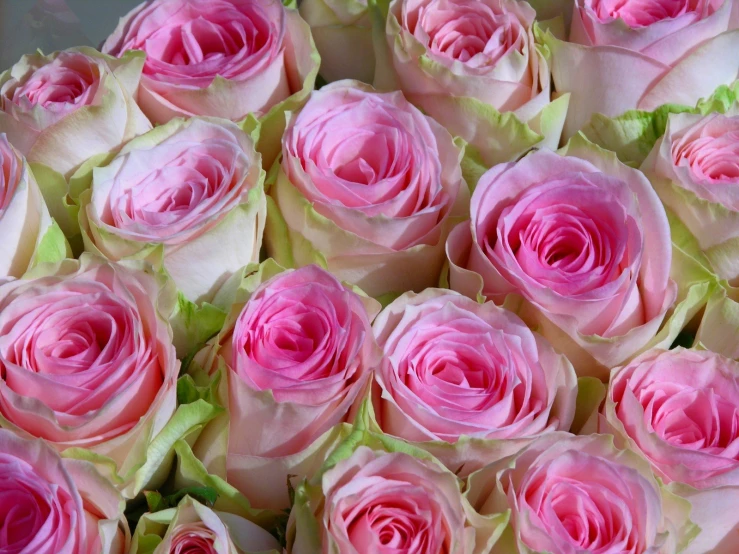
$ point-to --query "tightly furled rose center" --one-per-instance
(640, 13)
(477, 34)
(193, 538)
(68, 82)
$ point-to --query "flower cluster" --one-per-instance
(374, 277)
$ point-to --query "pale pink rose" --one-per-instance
(466, 63)
(572, 494)
(386, 503)
(454, 367)
(187, 188)
(369, 186)
(51, 505)
(584, 240)
(222, 58)
(24, 218)
(298, 358)
(86, 358)
(59, 110)
(640, 54)
(680, 408)
(695, 170)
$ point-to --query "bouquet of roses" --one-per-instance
(374, 277)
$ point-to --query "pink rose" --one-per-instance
(386, 503)
(222, 58)
(183, 190)
(86, 359)
(456, 368)
(52, 505)
(695, 171)
(467, 63)
(297, 356)
(369, 188)
(24, 218)
(571, 494)
(584, 240)
(59, 110)
(642, 54)
(680, 409)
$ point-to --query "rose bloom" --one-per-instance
(583, 239)
(342, 31)
(640, 54)
(52, 505)
(457, 59)
(194, 528)
(222, 58)
(61, 109)
(385, 503)
(695, 170)
(454, 367)
(297, 356)
(570, 494)
(24, 218)
(680, 409)
(369, 187)
(185, 190)
(86, 358)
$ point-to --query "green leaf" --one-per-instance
(685, 339)
(53, 247)
(156, 502)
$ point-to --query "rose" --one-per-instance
(222, 58)
(679, 409)
(695, 171)
(456, 368)
(368, 187)
(465, 63)
(342, 30)
(297, 354)
(177, 195)
(24, 218)
(61, 109)
(87, 362)
(384, 503)
(570, 494)
(641, 55)
(52, 505)
(583, 239)
(193, 527)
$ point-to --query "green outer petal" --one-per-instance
(53, 247)
(633, 134)
(54, 188)
(194, 325)
(590, 394)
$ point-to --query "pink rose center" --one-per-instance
(193, 538)
(474, 33)
(713, 157)
(11, 170)
(63, 85)
(32, 510)
(640, 13)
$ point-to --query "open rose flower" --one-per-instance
(583, 239)
(221, 58)
(641, 54)
(680, 409)
(695, 171)
(369, 188)
(457, 368)
(52, 505)
(384, 502)
(61, 109)
(24, 218)
(298, 356)
(463, 63)
(177, 196)
(194, 528)
(571, 494)
(86, 360)
(342, 31)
